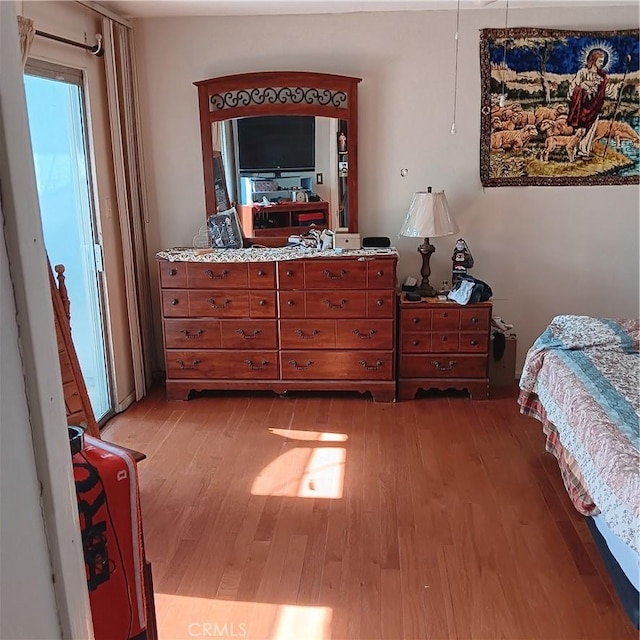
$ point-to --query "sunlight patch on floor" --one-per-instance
(304, 472)
(185, 618)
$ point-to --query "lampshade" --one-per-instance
(428, 216)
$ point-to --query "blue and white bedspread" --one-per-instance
(585, 372)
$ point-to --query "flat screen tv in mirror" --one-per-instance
(276, 143)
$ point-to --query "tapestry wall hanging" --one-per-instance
(559, 107)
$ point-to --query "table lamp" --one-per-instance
(428, 217)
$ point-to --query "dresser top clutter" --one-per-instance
(269, 254)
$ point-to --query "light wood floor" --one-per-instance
(318, 516)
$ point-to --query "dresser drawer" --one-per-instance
(335, 274)
(380, 304)
(364, 334)
(175, 303)
(183, 333)
(291, 274)
(262, 275)
(223, 303)
(217, 275)
(443, 366)
(471, 342)
(475, 319)
(381, 274)
(415, 320)
(173, 275)
(262, 304)
(292, 304)
(336, 304)
(249, 334)
(336, 365)
(307, 334)
(226, 365)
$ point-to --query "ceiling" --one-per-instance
(174, 8)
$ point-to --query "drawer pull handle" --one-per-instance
(300, 334)
(474, 343)
(290, 303)
(364, 336)
(213, 276)
(174, 302)
(301, 367)
(289, 274)
(415, 320)
(256, 367)
(261, 273)
(415, 343)
(373, 367)
(173, 272)
(440, 367)
(475, 320)
(380, 274)
(333, 305)
(213, 304)
(445, 315)
(249, 336)
(380, 302)
(444, 338)
(193, 365)
(331, 276)
(262, 302)
(192, 336)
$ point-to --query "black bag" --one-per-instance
(481, 291)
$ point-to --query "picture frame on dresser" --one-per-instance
(224, 230)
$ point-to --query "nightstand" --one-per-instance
(443, 345)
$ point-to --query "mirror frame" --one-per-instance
(279, 93)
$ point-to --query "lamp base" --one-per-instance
(424, 288)
(426, 291)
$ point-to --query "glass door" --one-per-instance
(57, 120)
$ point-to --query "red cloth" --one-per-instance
(109, 505)
(583, 110)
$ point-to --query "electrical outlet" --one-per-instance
(319, 178)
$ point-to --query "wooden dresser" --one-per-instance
(443, 345)
(320, 323)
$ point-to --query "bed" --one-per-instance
(581, 380)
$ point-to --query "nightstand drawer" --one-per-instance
(414, 342)
(451, 365)
(442, 342)
(446, 319)
(471, 342)
(415, 320)
(475, 319)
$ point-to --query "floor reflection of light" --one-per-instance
(185, 618)
(305, 472)
(310, 623)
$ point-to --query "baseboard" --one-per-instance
(126, 402)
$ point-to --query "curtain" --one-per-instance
(124, 117)
(27, 32)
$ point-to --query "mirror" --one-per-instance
(316, 186)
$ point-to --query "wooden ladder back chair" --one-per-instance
(76, 397)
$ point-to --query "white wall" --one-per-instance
(544, 250)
